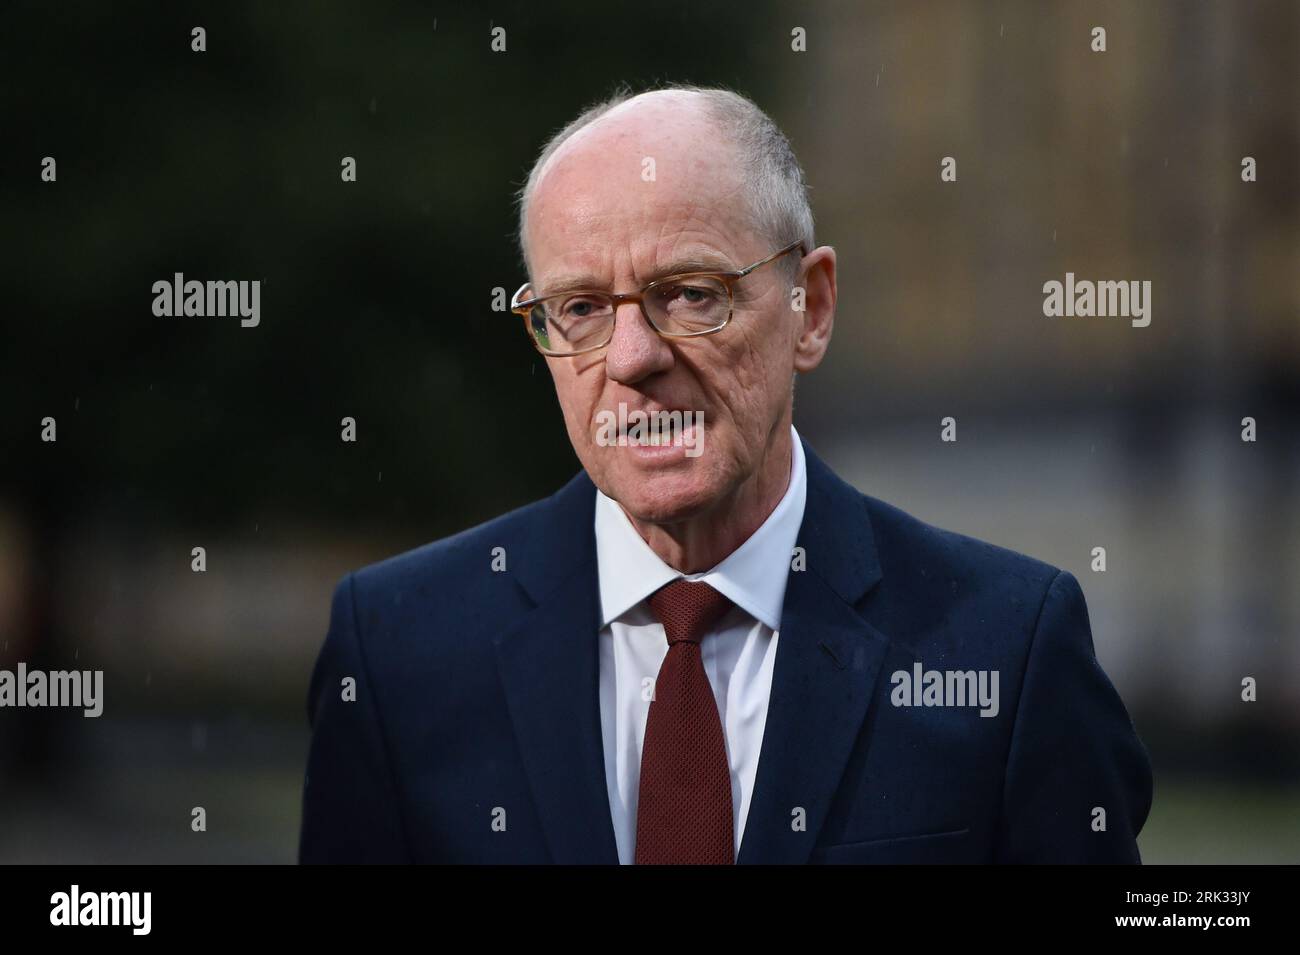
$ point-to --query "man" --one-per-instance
(706, 648)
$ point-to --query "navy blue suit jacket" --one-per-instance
(474, 733)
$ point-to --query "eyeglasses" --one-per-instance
(677, 306)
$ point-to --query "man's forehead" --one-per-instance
(583, 248)
(662, 194)
(590, 270)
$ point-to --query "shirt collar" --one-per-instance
(753, 576)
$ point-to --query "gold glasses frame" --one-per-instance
(524, 307)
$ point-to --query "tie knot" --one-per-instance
(687, 609)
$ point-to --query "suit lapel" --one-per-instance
(827, 661)
(549, 667)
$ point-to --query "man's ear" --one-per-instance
(817, 271)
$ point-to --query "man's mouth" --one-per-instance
(654, 428)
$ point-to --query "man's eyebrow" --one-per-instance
(694, 262)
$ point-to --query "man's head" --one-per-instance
(679, 180)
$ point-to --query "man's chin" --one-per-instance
(667, 497)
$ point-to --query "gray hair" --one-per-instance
(774, 182)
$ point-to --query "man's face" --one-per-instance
(594, 217)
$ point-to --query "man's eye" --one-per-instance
(579, 308)
(687, 295)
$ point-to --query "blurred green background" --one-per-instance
(377, 304)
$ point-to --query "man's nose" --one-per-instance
(636, 351)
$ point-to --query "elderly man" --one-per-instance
(705, 648)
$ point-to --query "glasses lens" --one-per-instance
(688, 304)
(570, 323)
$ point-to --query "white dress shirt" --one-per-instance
(738, 653)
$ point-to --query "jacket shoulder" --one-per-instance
(900, 535)
(932, 577)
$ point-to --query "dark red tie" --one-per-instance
(683, 811)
